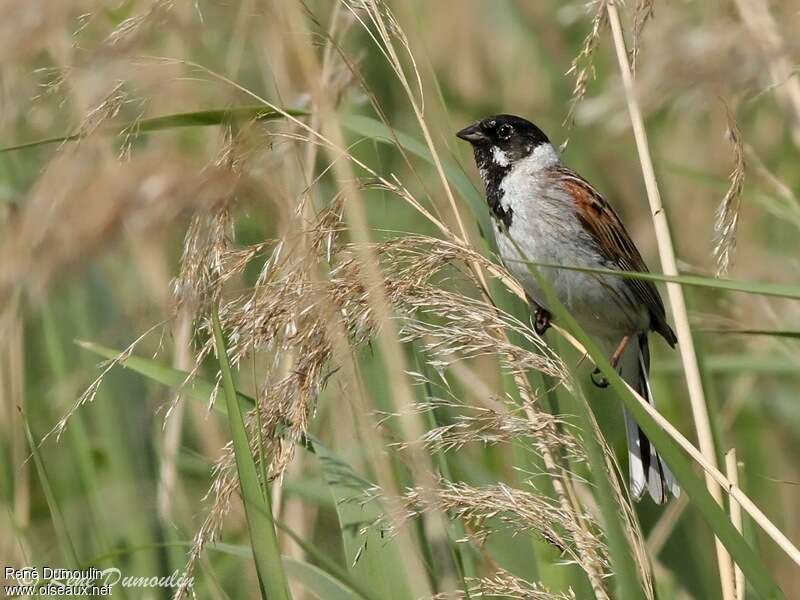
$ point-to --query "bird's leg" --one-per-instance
(597, 376)
(620, 349)
(541, 322)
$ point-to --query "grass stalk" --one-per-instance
(680, 314)
(732, 471)
(59, 523)
(12, 382)
(171, 440)
(460, 552)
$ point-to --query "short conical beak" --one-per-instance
(473, 134)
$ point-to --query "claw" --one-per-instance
(598, 379)
(541, 321)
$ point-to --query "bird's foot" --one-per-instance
(541, 321)
(599, 379)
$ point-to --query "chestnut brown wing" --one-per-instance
(613, 242)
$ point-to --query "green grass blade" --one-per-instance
(201, 118)
(195, 388)
(256, 503)
(373, 558)
(769, 332)
(749, 287)
(318, 582)
(770, 364)
(56, 516)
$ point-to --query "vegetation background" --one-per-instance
(173, 200)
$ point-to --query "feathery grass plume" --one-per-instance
(209, 257)
(642, 13)
(126, 32)
(582, 67)
(287, 312)
(206, 248)
(108, 108)
(489, 509)
(727, 218)
(460, 335)
(455, 338)
(489, 426)
(377, 19)
(503, 584)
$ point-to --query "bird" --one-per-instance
(544, 212)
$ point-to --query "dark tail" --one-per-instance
(647, 470)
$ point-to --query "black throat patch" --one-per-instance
(492, 175)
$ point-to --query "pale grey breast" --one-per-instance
(546, 229)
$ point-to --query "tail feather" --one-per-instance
(647, 470)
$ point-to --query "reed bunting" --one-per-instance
(544, 212)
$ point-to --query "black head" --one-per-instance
(502, 139)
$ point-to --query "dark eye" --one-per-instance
(504, 132)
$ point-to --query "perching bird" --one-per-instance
(544, 212)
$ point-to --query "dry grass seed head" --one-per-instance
(126, 32)
(582, 67)
(503, 584)
(489, 509)
(703, 58)
(727, 218)
(642, 13)
(488, 426)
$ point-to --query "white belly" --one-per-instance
(603, 305)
